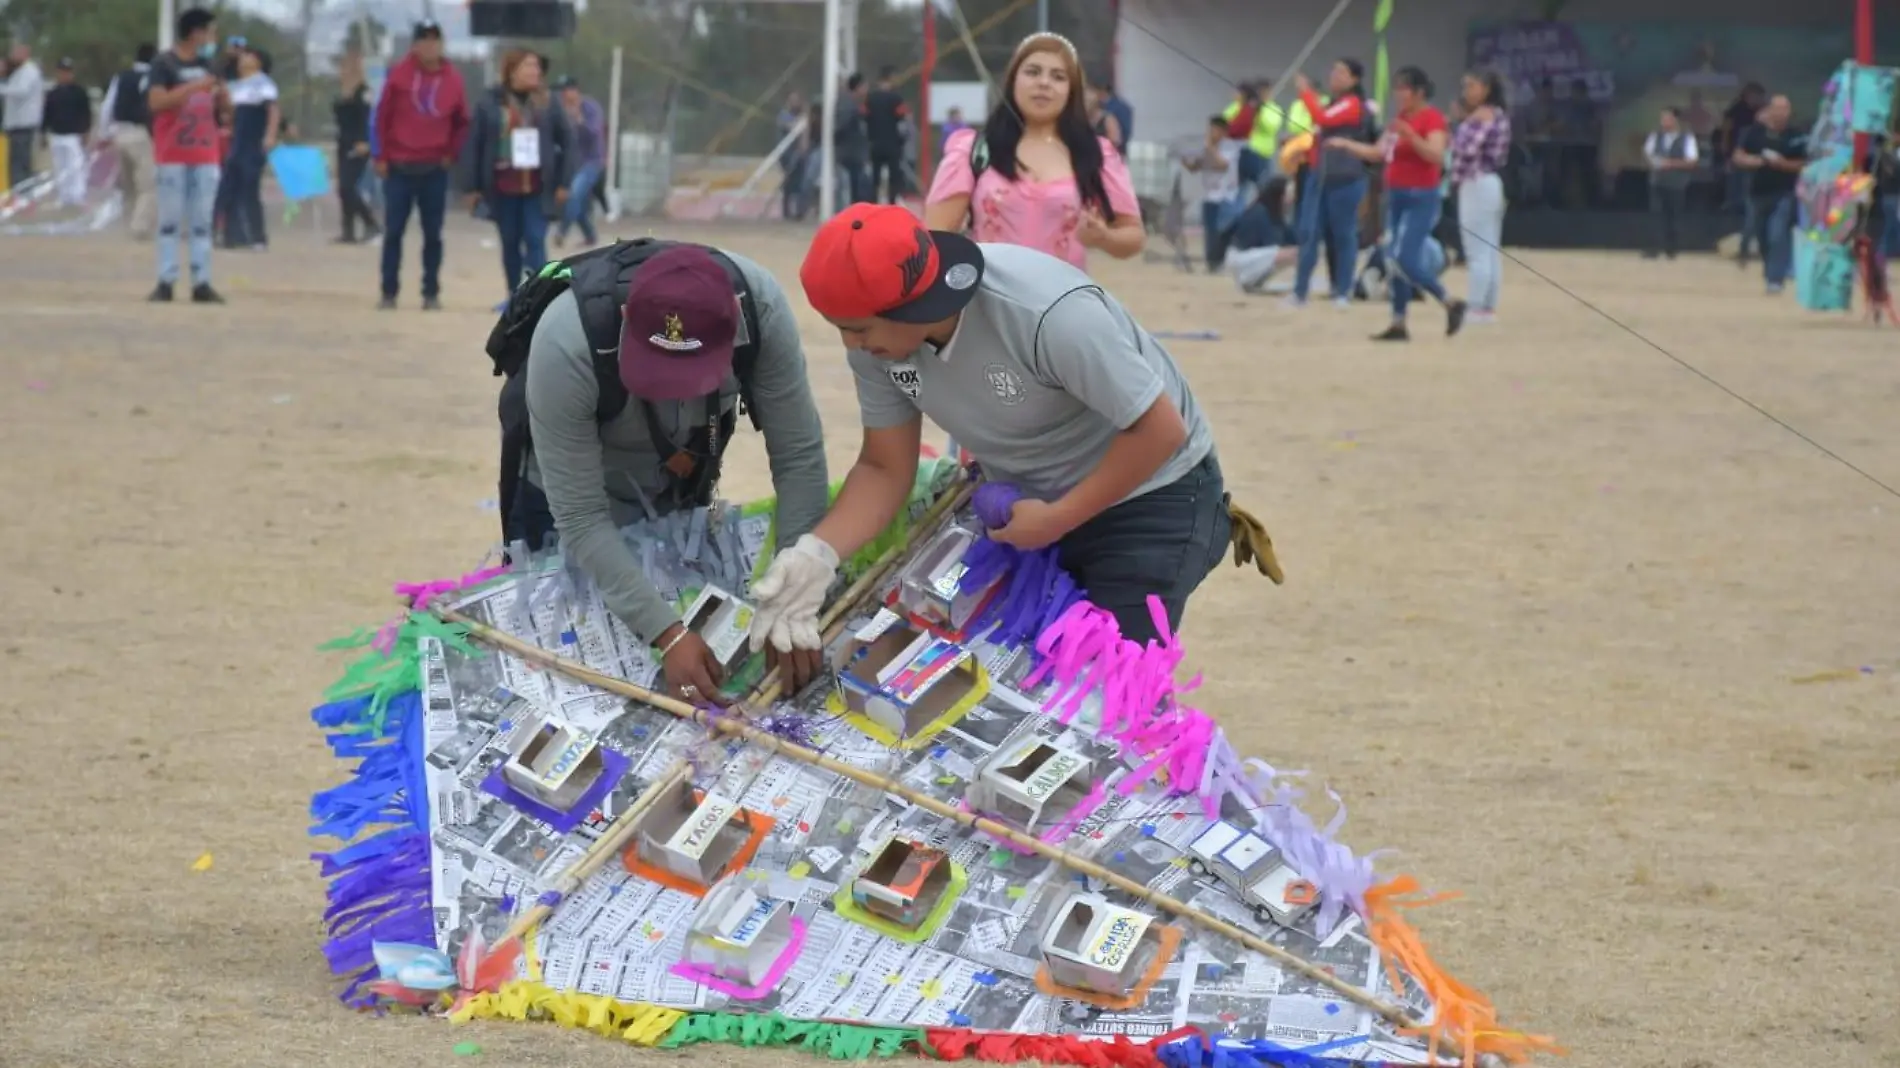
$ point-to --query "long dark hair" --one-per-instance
(1358, 71)
(1004, 128)
(1414, 78)
(1493, 86)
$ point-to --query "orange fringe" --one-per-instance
(1463, 1016)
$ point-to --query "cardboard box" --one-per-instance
(1282, 896)
(738, 934)
(929, 586)
(553, 762)
(724, 622)
(1096, 946)
(903, 882)
(904, 679)
(694, 836)
(1031, 782)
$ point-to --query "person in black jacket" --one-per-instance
(67, 120)
(886, 128)
(351, 112)
(126, 125)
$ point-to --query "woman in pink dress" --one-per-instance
(1037, 174)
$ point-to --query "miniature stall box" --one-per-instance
(694, 836)
(553, 763)
(1099, 947)
(1030, 780)
(724, 622)
(739, 935)
(929, 587)
(1254, 869)
(903, 882)
(903, 680)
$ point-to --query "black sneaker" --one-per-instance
(1395, 332)
(202, 293)
(161, 293)
(431, 303)
(386, 304)
(1454, 317)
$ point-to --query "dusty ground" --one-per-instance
(1551, 598)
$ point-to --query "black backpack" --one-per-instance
(599, 279)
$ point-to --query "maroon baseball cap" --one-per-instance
(677, 330)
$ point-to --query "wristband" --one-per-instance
(674, 640)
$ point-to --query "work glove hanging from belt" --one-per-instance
(1251, 543)
(786, 599)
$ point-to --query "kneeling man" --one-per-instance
(635, 370)
(1048, 382)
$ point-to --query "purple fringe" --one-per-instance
(379, 886)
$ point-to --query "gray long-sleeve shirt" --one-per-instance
(595, 474)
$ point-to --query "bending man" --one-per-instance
(646, 422)
(1047, 381)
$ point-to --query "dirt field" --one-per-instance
(1555, 611)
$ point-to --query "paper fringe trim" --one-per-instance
(654, 1026)
(379, 885)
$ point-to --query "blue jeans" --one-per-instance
(1410, 215)
(523, 229)
(1163, 542)
(1776, 216)
(187, 201)
(1217, 217)
(579, 210)
(1751, 225)
(427, 194)
(1329, 211)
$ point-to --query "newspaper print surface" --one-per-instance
(619, 934)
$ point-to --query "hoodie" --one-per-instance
(422, 116)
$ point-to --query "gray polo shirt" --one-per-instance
(1044, 370)
(596, 475)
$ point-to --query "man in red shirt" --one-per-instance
(420, 124)
(183, 96)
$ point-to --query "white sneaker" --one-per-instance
(1294, 301)
(1343, 303)
(1475, 317)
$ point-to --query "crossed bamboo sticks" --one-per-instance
(733, 725)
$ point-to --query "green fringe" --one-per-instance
(837, 1041)
(921, 494)
(383, 677)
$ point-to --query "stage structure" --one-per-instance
(994, 830)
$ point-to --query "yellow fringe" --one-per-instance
(525, 999)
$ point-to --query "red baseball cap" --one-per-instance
(878, 261)
(677, 330)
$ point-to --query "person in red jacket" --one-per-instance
(421, 122)
(1335, 181)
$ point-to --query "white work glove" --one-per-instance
(787, 599)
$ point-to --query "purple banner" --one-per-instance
(1526, 53)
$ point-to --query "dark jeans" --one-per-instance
(887, 174)
(1667, 204)
(857, 180)
(1214, 236)
(522, 226)
(1162, 543)
(20, 155)
(349, 194)
(427, 194)
(530, 518)
(1775, 215)
(1329, 210)
(241, 198)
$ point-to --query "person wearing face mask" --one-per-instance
(1037, 174)
(521, 152)
(1047, 381)
(183, 96)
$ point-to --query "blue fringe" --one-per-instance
(380, 883)
(1197, 1051)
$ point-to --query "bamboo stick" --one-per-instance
(609, 844)
(615, 836)
(730, 725)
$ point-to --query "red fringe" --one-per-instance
(961, 1043)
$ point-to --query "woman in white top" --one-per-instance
(254, 118)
